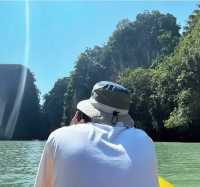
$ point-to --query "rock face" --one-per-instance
(19, 103)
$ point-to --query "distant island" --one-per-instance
(158, 64)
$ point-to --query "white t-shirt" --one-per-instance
(97, 155)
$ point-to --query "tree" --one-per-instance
(133, 44)
(192, 21)
(139, 83)
(177, 86)
(20, 108)
(29, 124)
(53, 107)
(138, 43)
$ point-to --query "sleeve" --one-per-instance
(44, 176)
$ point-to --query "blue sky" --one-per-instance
(61, 30)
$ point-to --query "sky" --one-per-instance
(61, 30)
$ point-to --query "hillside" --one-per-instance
(133, 44)
(168, 104)
(19, 103)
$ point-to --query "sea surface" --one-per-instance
(179, 163)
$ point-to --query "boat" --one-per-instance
(164, 183)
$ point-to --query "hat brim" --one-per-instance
(98, 116)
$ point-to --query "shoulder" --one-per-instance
(69, 140)
(141, 133)
(69, 130)
(140, 136)
(70, 134)
(141, 143)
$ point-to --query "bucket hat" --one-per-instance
(108, 104)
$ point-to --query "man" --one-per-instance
(101, 148)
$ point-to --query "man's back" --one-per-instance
(96, 155)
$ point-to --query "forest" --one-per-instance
(20, 113)
(157, 61)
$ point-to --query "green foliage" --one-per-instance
(29, 124)
(160, 68)
(180, 116)
(88, 70)
(53, 107)
(138, 81)
(172, 89)
(178, 82)
(192, 21)
(137, 43)
(18, 98)
(142, 55)
(133, 44)
(69, 105)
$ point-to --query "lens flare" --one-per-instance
(10, 127)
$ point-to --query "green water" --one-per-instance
(178, 162)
